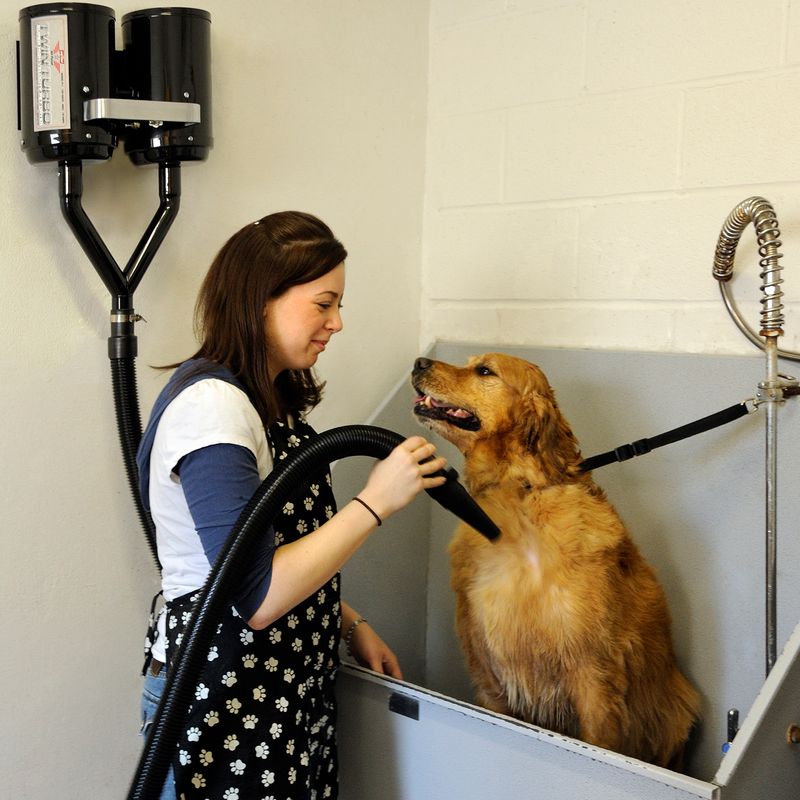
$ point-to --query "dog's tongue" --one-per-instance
(427, 401)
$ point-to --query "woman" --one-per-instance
(262, 724)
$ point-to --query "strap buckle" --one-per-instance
(627, 451)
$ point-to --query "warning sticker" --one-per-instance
(50, 61)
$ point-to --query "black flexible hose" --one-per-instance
(129, 427)
(351, 440)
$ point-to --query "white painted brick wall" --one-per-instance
(582, 157)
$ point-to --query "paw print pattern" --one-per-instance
(233, 705)
(229, 678)
(267, 777)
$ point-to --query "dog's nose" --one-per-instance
(421, 364)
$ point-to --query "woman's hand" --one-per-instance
(372, 652)
(396, 480)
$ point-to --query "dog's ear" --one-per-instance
(549, 437)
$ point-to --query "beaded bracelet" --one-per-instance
(348, 638)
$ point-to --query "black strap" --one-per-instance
(642, 446)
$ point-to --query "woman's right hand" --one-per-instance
(397, 479)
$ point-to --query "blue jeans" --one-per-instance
(151, 696)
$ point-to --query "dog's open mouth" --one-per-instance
(431, 408)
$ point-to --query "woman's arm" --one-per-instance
(303, 566)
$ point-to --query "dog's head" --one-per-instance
(500, 403)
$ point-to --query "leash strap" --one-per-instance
(642, 446)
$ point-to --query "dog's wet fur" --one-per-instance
(562, 622)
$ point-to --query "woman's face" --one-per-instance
(302, 320)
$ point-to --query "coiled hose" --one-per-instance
(768, 235)
(351, 440)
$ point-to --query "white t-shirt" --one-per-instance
(206, 413)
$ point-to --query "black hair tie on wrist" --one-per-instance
(377, 518)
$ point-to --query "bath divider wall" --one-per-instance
(695, 509)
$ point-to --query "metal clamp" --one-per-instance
(120, 318)
(776, 391)
(155, 112)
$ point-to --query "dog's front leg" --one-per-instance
(598, 693)
(489, 692)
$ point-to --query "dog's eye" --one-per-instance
(482, 369)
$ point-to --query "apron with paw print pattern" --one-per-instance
(262, 722)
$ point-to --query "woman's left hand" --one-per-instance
(372, 652)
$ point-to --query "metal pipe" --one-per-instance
(774, 391)
(770, 391)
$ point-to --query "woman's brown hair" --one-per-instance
(258, 263)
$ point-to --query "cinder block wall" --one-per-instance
(582, 157)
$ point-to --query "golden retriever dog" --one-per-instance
(562, 621)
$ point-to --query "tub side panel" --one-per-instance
(450, 753)
(762, 761)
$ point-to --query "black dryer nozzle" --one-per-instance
(456, 499)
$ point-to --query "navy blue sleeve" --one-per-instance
(218, 482)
